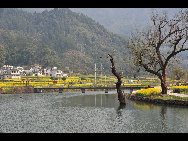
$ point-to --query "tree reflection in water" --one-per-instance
(163, 112)
(119, 109)
(163, 118)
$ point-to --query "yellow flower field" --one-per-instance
(74, 81)
(148, 92)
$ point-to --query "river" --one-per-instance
(92, 112)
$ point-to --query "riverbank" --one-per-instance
(169, 99)
(159, 101)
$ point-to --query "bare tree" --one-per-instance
(121, 96)
(154, 48)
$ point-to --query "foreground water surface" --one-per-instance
(92, 112)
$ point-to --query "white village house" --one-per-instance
(53, 72)
(7, 67)
(37, 70)
(1, 74)
(11, 72)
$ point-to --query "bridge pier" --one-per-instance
(106, 90)
(83, 90)
(60, 90)
(36, 90)
(131, 90)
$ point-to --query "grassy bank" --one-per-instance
(153, 95)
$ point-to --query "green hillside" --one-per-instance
(58, 37)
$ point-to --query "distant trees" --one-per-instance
(64, 78)
(154, 48)
(178, 73)
(2, 56)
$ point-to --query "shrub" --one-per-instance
(64, 78)
(180, 89)
(54, 78)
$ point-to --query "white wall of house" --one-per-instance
(7, 76)
(38, 74)
(15, 74)
(5, 67)
(53, 72)
(11, 74)
(65, 75)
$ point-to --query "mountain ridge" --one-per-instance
(49, 38)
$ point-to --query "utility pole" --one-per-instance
(81, 48)
(105, 79)
(101, 73)
(101, 69)
(95, 73)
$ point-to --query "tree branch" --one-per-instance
(148, 69)
(173, 54)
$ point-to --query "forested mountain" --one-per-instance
(58, 37)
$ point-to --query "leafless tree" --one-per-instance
(155, 47)
(121, 96)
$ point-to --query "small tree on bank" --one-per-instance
(178, 73)
(154, 48)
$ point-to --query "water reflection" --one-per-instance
(96, 100)
(89, 112)
(163, 115)
(119, 109)
(163, 112)
(99, 100)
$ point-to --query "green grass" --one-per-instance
(170, 97)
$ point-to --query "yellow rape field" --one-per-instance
(148, 92)
(74, 81)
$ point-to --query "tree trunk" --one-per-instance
(164, 82)
(121, 96)
(164, 88)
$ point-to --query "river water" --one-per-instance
(92, 112)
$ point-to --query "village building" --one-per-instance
(11, 74)
(53, 72)
(15, 74)
(20, 69)
(1, 74)
(7, 67)
(65, 75)
(35, 70)
(27, 73)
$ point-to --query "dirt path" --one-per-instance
(170, 92)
